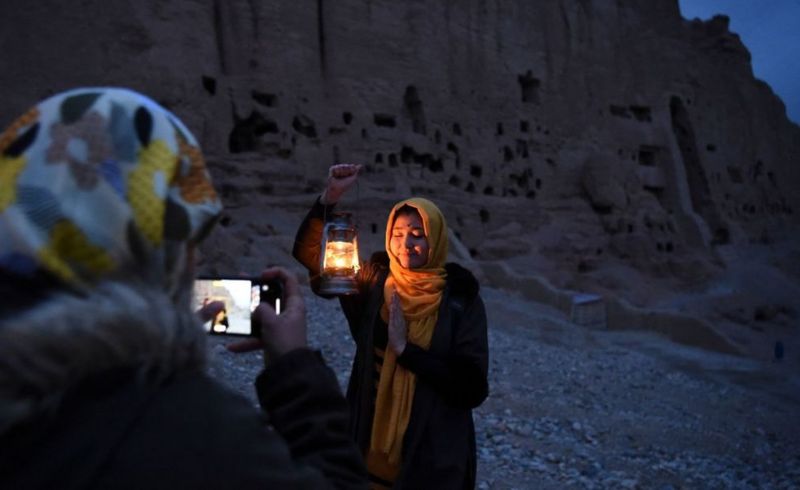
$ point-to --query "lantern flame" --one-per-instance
(339, 260)
(341, 257)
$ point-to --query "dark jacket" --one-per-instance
(135, 427)
(439, 444)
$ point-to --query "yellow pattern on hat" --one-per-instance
(10, 168)
(69, 247)
(148, 207)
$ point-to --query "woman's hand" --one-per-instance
(341, 177)
(398, 330)
(282, 333)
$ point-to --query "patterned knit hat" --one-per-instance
(98, 181)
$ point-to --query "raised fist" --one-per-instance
(341, 177)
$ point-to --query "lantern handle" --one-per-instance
(358, 201)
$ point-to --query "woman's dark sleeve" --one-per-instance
(302, 398)
(461, 376)
(194, 433)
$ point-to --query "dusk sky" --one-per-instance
(771, 31)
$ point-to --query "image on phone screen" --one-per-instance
(240, 296)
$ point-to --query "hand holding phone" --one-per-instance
(279, 333)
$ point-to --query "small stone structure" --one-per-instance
(589, 310)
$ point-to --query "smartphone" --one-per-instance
(241, 296)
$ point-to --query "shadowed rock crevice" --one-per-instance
(699, 190)
(414, 109)
(219, 33)
(305, 126)
(247, 132)
(209, 84)
(321, 37)
(529, 88)
(264, 98)
(384, 120)
(427, 160)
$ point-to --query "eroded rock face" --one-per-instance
(605, 133)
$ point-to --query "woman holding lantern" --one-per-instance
(421, 358)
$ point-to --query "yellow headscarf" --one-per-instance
(420, 292)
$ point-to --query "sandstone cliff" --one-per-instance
(597, 146)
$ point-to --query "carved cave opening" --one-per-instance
(247, 132)
(647, 155)
(384, 120)
(508, 155)
(406, 154)
(757, 170)
(427, 160)
(522, 148)
(413, 106)
(209, 84)
(305, 126)
(641, 113)
(522, 179)
(264, 98)
(529, 88)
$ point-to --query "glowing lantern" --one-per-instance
(339, 261)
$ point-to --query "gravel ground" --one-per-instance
(573, 408)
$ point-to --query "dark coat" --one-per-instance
(439, 444)
(115, 430)
(107, 389)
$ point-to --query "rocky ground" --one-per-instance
(574, 408)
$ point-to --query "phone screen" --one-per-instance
(240, 297)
